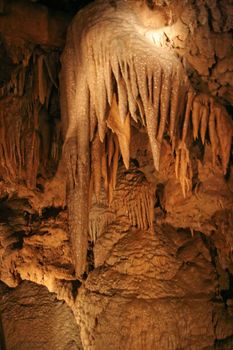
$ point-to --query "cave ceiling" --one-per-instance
(66, 5)
(71, 6)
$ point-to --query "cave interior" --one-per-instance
(116, 175)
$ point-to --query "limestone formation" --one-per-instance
(119, 201)
(112, 61)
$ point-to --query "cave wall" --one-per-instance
(32, 318)
(159, 273)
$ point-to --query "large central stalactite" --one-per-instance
(114, 70)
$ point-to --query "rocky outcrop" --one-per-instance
(32, 318)
(153, 292)
(160, 288)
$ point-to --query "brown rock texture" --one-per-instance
(159, 269)
(160, 288)
(22, 20)
(32, 318)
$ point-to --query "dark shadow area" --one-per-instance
(2, 337)
(71, 6)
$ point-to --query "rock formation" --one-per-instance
(120, 202)
(33, 318)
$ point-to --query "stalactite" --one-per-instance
(138, 209)
(122, 100)
(213, 133)
(139, 84)
(21, 81)
(164, 104)
(50, 62)
(208, 114)
(224, 132)
(196, 117)
(152, 120)
(42, 81)
(77, 147)
(110, 146)
(101, 101)
(120, 126)
(33, 152)
(125, 71)
(18, 149)
(113, 170)
(56, 142)
(96, 155)
(204, 122)
(133, 197)
(175, 93)
(183, 167)
(4, 148)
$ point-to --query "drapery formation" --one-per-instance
(112, 72)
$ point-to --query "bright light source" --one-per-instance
(156, 36)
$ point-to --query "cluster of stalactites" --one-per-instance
(151, 90)
(113, 73)
(35, 76)
(208, 116)
(210, 122)
(202, 116)
(126, 73)
(114, 63)
(105, 155)
(24, 116)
